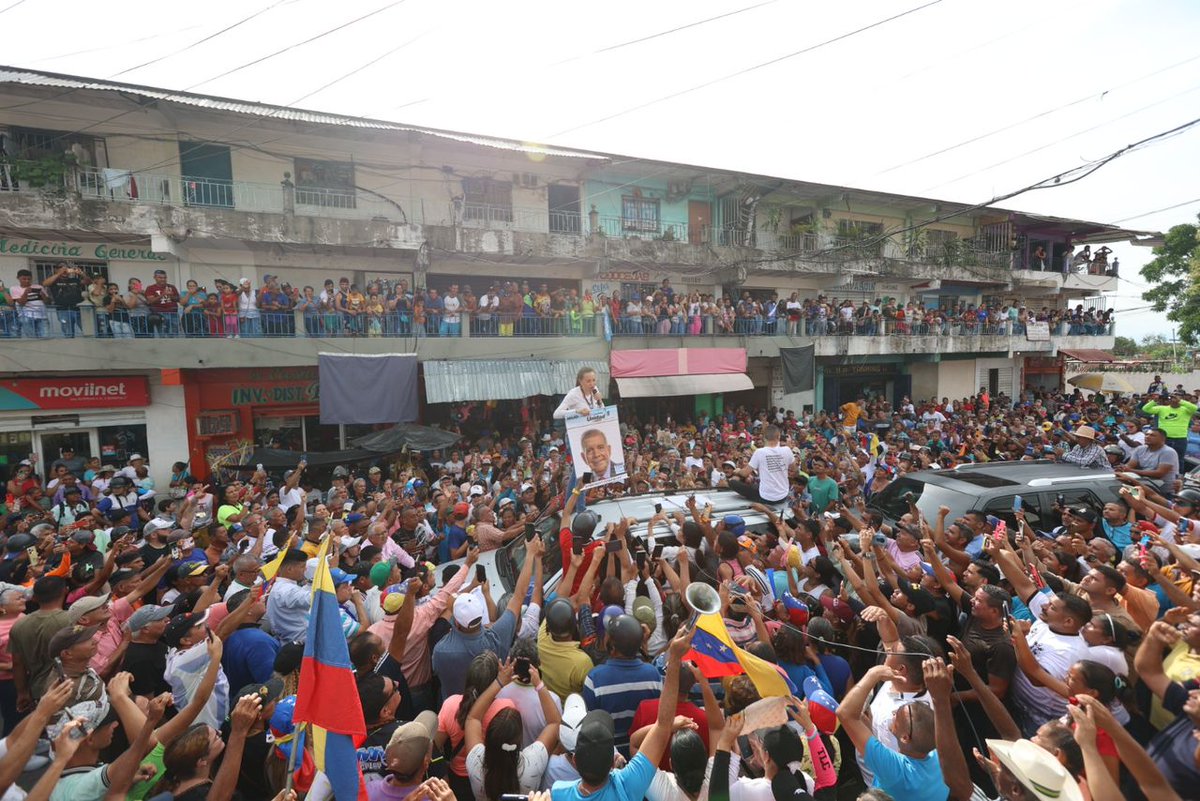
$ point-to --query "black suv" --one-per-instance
(992, 488)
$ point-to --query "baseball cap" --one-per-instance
(745, 542)
(468, 610)
(526, 487)
(349, 542)
(842, 611)
(190, 569)
(133, 457)
(1084, 513)
(70, 636)
(462, 509)
(735, 524)
(180, 625)
(146, 615)
(85, 605)
(573, 713)
(353, 518)
(340, 576)
(380, 573)
(595, 743)
(643, 610)
(83, 537)
(476, 489)
(409, 744)
(374, 470)
(267, 691)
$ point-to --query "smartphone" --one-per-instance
(657, 553)
(58, 669)
(480, 573)
(1016, 503)
(577, 546)
(1184, 526)
(530, 532)
(612, 546)
(521, 667)
(1060, 500)
(658, 508)
(513, 797)
(640, 556)
(993, 521)
(32, 552)
(176, 553)
(586, 478)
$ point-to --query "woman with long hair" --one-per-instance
(189, 758)
(452, 720)
(496, 763)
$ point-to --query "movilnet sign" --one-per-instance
(75, 250)
(102, 392)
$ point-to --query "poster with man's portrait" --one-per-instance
(596, 447)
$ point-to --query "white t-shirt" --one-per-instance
(531, 767)
(533, 719)
(559, 769)
(772, 463)
(451, 305)
(1054, 652)
(291, 497)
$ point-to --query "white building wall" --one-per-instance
(166, 430)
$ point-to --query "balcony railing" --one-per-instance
(87, 320)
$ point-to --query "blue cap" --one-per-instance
(340, 576)
(351, 519)
(735, 524)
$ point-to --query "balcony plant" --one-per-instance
(45, 172)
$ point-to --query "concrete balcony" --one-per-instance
(1055, 283)
(293, 339)
(117, 204)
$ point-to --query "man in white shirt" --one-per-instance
(772, 463)
(248, 315)
(290, 493)
(451, 321)
(694, 459)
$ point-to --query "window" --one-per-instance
(325, 183)
(117, 442)
(487, 200)
(44, 269)
(866, 237)
(939, 243)
(639, 213)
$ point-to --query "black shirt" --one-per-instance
(67, 291)
(147, 662)
(253, 781)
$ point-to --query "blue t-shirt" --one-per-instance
(630, 783)
(905, 777)
(838, 671)
(455, 537)
(1119, 535)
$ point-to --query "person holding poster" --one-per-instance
(595, 442)
(583, 399)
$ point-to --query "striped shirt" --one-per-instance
(617, 687)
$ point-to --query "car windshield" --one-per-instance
(511, 558)
(892, 502)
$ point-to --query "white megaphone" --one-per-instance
(703, 599)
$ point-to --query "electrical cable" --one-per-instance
(8, 8)
(745, 70)
(668, 32)
(1101, 94)
(309, 40)
(1156, 211)
(199, 42)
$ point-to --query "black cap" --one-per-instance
(294, 555)
(559, 617)
(181, 625)
(19, 542)
(1084, 513)
(595, 744)
(625, 632)
(267, 691)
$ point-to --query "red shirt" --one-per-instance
(647, 713)
(163, 298)
(565, 540)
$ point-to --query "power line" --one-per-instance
(668, 32)
(309, 40)
(1060, 140)
(370, 63)
(747, 70)
(11, 7)
(1156, 211)
(1037, 116)
(199, 42)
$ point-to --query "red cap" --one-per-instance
(461, 509)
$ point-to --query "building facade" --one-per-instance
(121, 181)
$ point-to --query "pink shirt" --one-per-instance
(110, 637)
(391, 550)
(6, 625)
(448, 724)
(416, 662)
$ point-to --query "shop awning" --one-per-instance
(1088, 355)
(679, 371)
(683, 385)
(484, 379)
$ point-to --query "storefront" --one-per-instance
(102, 416)
(843, 383)
(232, 411)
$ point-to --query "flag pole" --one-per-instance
(298, 730)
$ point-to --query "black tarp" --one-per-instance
(367, 389)
(368, 448)
(799, 368)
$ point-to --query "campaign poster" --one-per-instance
(596, 448)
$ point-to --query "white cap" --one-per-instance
(468, 610)
(135, 456)
(574, 710)
(504, 502)
(476, 489)
(244, 281)
(350, 542)
(310, 569)
(526, 487)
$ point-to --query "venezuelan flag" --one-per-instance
(271, 568)
(326, 680)
(715, 654)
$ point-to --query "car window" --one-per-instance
(1002, 507)
(892, 502)
(1073, 496)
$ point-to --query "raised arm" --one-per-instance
(1022, 584)
(655, 743)
(1148, 662)
(942, 573)
(950, 754)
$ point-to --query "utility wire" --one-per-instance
(199, 42)
(309, 40)
(668, 32)
(1156, 211)
(746, 70)
(1037, 116)
(6, 9)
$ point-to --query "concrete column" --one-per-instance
(87, 319)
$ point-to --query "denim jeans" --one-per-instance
(33, 326)
(169, 327)
(249, 326)
(449, 329)
(69, 322)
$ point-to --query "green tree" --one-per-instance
(1125, 347)
(1174, 274)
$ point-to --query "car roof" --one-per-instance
(641, 507)
(1039, 474)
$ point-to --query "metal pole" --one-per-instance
(291, 768)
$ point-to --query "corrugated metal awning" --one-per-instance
(511, 379)
(683, 384)
(1088, 355)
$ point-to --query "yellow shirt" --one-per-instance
(850, 414)
(564, 666)
(1180, 665)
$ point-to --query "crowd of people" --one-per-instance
(152, 637)
(502, 308)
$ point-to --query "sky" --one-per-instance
(951, 99)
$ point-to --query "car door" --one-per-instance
(1070, 496)
(1001, 506)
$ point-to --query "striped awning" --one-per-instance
(510, 379)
